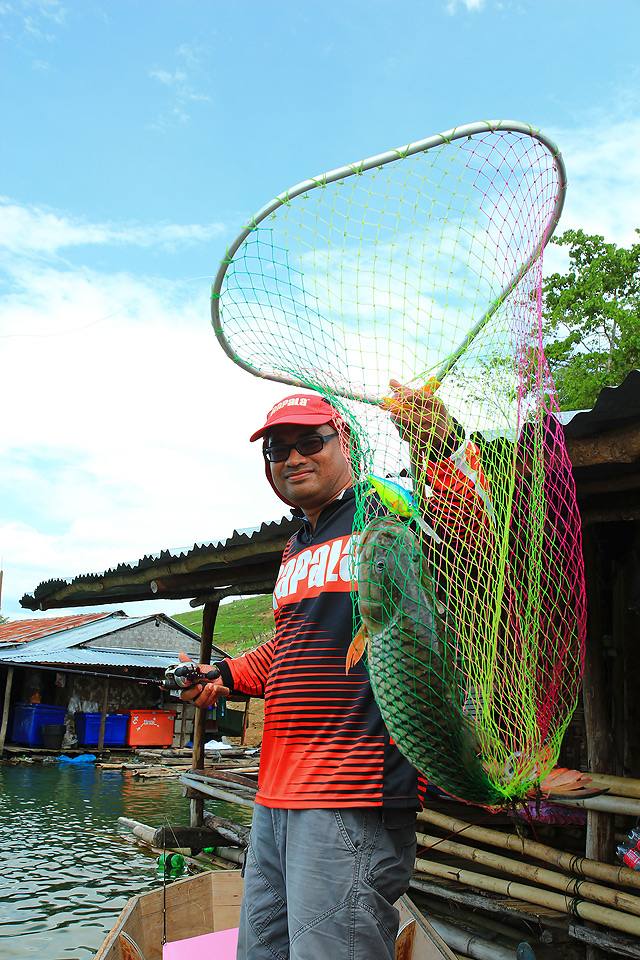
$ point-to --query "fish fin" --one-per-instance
(565, 781)
(424, 526)
(356, 649)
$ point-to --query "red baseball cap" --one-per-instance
(306, 409)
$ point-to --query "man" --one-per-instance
(333, 836)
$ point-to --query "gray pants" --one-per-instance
(322, 884)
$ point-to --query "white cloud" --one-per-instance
(182, 85)
(471, 6)
(31, 229)
(38, 19)
(123, 436)
(602, 156)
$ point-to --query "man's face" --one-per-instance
(310, 480)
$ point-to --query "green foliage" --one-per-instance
(240, 625)
(592, 318)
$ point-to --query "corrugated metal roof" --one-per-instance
(18, 631)
(200, 557)
(91, 657)
(69, 646)
(615, 407)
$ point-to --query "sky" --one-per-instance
(138, 137)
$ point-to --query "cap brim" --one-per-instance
(293, 419)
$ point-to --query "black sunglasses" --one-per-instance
(306, 446)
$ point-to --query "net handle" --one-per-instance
(379, 160)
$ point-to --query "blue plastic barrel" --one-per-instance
(28, 720)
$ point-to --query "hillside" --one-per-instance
(240, 625)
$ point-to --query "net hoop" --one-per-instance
(353, 169)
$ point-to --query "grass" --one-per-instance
(240, 625)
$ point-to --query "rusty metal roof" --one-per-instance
(20, 631)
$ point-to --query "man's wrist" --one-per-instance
(226, 674)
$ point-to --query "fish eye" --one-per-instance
(379, 565)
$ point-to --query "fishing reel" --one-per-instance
(182, 676)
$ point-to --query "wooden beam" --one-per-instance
(237, 590)
(613, 514)
(210, 581)
(5, 707)
(209, 615)
(103, 716)
(617, 945)
(614, 446)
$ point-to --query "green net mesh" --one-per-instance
(427, 264)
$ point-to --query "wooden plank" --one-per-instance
(502, 906)
(616, 944)
(427, 944)
(5, 707)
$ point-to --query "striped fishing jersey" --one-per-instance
(324, 742)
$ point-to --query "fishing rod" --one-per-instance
(178, 676)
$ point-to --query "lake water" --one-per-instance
(66, 869)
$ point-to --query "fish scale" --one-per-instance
(416, 682)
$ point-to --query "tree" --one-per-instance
(592, 318)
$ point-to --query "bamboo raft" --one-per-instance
(586, 900)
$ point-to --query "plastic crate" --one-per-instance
(28, 720)
(115, 729)
(151, 728)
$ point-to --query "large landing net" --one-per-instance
(424, 265)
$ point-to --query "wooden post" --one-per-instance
(631, 658)
(209, 615)
(600, 748)
(5, 707)
(103, 716)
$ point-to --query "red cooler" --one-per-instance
(151, 728)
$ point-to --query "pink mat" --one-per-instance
(210, 946)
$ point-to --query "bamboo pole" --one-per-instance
(619, 786)
(548, 878)
(607, 803)
(543, 898)
(580, 866)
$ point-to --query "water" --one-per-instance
(66, 868)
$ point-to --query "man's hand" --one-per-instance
(420, 416)
(203, 695)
